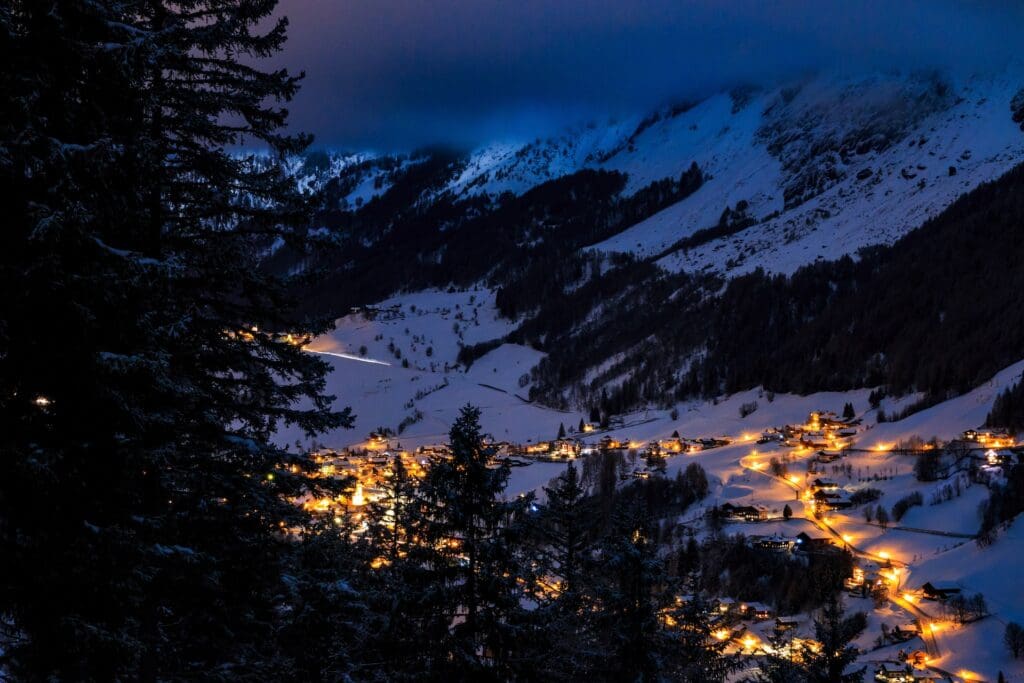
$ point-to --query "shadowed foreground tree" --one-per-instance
(144, 362)
(828, 660)
(472, 539)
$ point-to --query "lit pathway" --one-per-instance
(925, 621)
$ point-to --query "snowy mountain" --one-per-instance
(823, 167)
(628, 233)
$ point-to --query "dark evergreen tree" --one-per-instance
(827, 660)
(408, 623)
(144, 356)
(630, 593)
(848, 412)
(700, 656)
(563, 541)
(696, 480)
(561, 430)
(787, 512)
(1008, 409)
(566, 534)
(1014, 639)
(472, 539)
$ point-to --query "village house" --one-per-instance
(566, 448)
(894, 672)
(806, 544)
(776, 544)
(785, 625)
(990, 437)
(998, 458)
(758, 611)
(670, 445)
(609, 444)
(900, 633)
(539, 448)
(746, 513)
(932, 592)
(725, 605)
(825, 457)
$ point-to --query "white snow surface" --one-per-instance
(968, 129)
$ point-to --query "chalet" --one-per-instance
(997, 458)
(747, 513)
(932, 592)
(902, 632)
(825, 457)
(814, 440)
(806, 544)
(726, 605)
(824, 485)
(609, 444)
(758, 611)
(670, 445)
(856, 581)
(771, 436)
(775, 544)
(785, 625)
(996, 438)
(566, 448)
(894, 672)
(826, 501)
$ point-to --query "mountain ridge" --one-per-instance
(652, 213)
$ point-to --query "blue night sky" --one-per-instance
(392, 74)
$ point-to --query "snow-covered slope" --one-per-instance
(823, 167)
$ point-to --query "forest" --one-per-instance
(937, 313)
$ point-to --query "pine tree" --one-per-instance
(629, 597)
(565, 533)
(144, 356)
(1014, 639)
(828, 662)
(700, 656)
(402, 601)
(472, 536)
(563, 542)
(561, 430)
(882, 516)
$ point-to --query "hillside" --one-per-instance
(639, 254)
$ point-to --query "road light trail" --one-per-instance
(348, 356)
